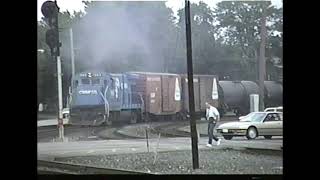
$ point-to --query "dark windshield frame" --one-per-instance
(95, 81)
(85, 81)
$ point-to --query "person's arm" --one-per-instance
(207, 114)
(217, 115)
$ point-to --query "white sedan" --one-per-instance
(270, 109)
(255, 124)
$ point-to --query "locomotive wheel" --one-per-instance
(139, 116)
(134, 117)
(142, 117)
(108, 122)
(179, 116)
(147, 117)
(150, 117)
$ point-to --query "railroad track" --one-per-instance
(54, 167)
(46, 133)
(166, 128)
(124, 136)
(171, 130)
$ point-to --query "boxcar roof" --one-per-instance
(153, 73)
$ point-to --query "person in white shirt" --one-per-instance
(213, 116)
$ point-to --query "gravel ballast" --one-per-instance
(212, 161)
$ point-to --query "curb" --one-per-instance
(51, 122)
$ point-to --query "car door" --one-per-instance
(279, 127)
(271, 125)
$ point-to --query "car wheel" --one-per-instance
(268, 137)
(252, 133)
(227, 137)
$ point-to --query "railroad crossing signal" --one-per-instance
(51, 38)
(50, 11)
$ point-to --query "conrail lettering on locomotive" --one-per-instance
(82, 92)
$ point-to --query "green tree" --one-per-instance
(239, 26)
(202, 37)
(45, 71)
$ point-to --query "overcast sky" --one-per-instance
(77, 5)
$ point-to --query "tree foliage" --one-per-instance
(239, 26)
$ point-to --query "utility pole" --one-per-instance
(72, 52)
(60, 117)
(262, 61)
(193, 125)
(50, 10)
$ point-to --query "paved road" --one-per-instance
(84, 148)
(44, 116)
(51, 122)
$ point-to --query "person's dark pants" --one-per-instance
(211, 125)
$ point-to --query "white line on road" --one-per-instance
(91, 151)
(89, 137)
(64, 152)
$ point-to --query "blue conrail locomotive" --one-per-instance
(99, 98)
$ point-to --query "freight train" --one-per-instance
(98, 98)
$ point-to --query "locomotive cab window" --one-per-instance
(75, 83)
(85, 81)
(95, 81)
(113, 83)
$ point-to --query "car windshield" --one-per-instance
(255, 117)
(247, 117)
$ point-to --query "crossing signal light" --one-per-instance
(51, 38)
(50, 11)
